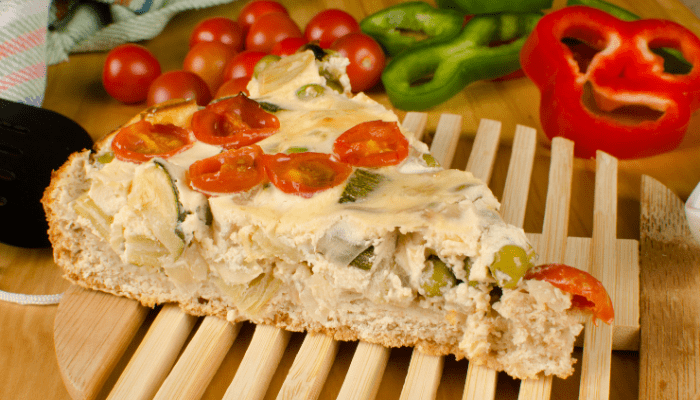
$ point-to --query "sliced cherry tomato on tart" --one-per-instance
(144, 140)
(233, 122)
(305, 174)
(372, 144)
(235, 170)
(588, 293)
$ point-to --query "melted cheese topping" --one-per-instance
(415, 212)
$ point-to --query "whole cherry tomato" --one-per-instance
(305, 174)
(366, 57)
(288, 46)
(208, 60)
(128, 71)
(242, 65)
(270, 29)
(143, 140)
(329, 25)
(253, 10)
(233, 87)
(178, 84)
(219, 29)
(235, 170)
(372, 144)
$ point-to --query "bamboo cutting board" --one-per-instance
(670, 277)
(111, 347)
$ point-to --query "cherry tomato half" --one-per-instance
(143, 140)
(288, 46)
(235, 170)
(208, 60)
(178, 85)
(233, 122)
(242, 65)
(366, 57)
(372, 144)
(233, 87)
(128, 71)
(305, 174)
(588, 293)
(254, 9)
(329, 25)
(219, 29)
(268, 30)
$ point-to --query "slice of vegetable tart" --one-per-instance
(307, 208)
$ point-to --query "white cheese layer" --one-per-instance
(417, 211)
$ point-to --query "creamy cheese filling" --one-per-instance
(417, 212)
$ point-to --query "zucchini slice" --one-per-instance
(154, 196)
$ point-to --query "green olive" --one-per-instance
(510, 264)
(264, 62)
(310, 91)
(106, 158)
(468, 268)
(436, 277)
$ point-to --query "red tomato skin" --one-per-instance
(128, 71)
(588, 292)
(278, 167)
(232, 171)
(367, 59)
(329, 25)
(233, 87)
(268, 30)
(254, 9)
(242, 65)
(178, 84)
(219, 29)
(208, 60)
(288, 46)
(351, 146)
(233, 122)
(127, 142)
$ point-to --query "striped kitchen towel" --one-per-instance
(23, 26)
(37, 33)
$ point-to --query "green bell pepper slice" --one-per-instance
(403, 25)
(450, 66)
(495, 6)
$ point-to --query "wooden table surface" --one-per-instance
(28, 367)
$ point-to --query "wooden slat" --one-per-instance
(597, 341)
(258, 364)
(483, 153)
(515, 191)
(556, 213)
(552, 247)
(310, 368)
(480, 163)
(365, 372)
(155, 356)
(414, 124)
(446, 138)
(669, 353)
(481, 381)
(196, 366)
(369, 361)
(90, 341)
(423, 377)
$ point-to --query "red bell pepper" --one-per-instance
(621, 101)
